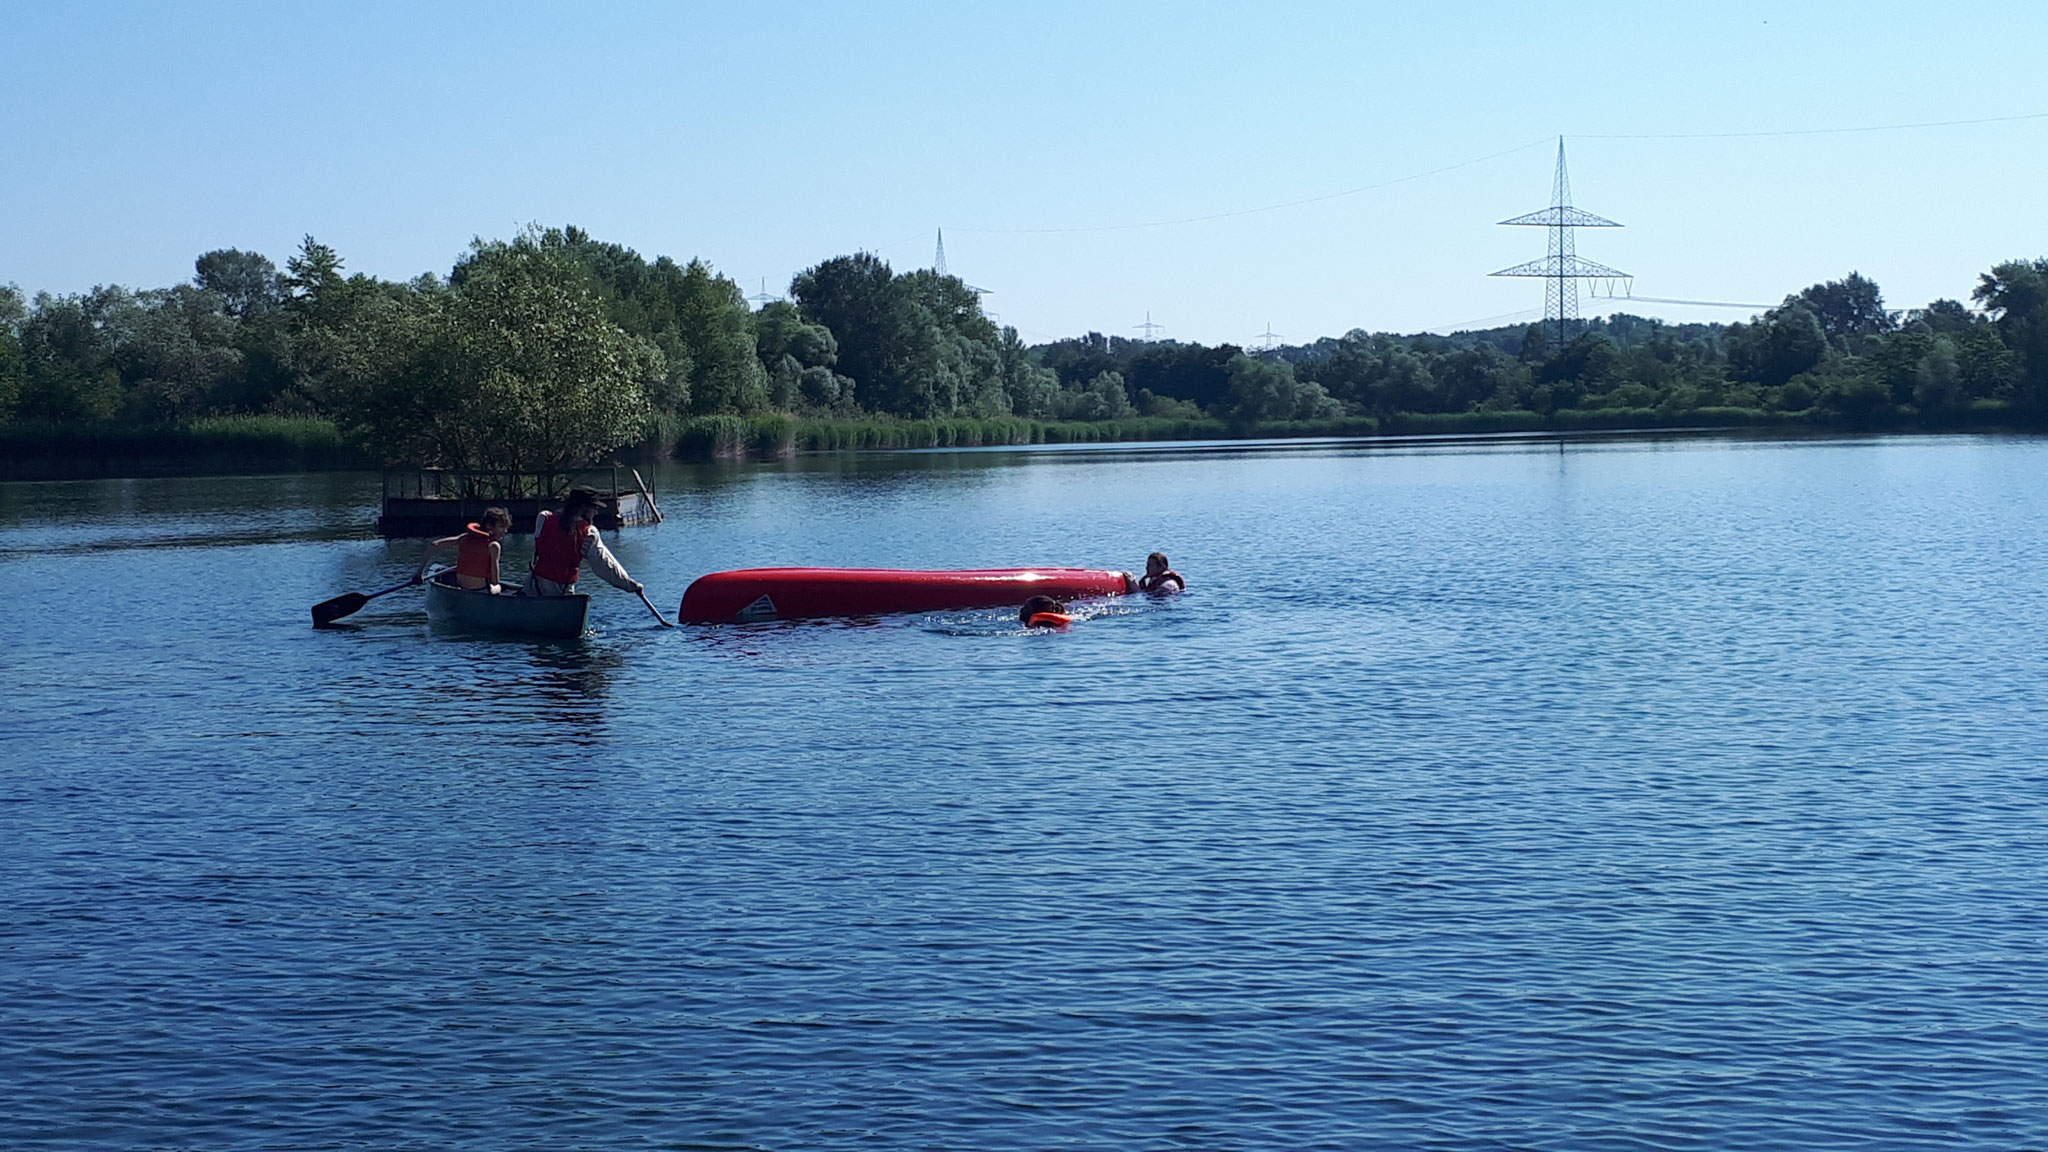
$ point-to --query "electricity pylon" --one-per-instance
(1562, 269)
(939, 266)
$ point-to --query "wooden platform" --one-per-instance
(415, 509)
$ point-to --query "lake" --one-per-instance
(1635, 794)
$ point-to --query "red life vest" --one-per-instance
(558, 555)
(473, 555)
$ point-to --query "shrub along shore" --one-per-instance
(230, 445)
(554, 349)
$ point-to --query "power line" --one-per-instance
(1508, 152)
(1694, 303)
(1811, 131)
(1469, 325)
(1262, 208)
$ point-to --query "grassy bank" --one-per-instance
(767, 436)
(221, 445)
(735, 437)
(242, 444)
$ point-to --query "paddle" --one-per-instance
(328, 611)
(653, 609)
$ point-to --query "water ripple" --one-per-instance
(1649, 797)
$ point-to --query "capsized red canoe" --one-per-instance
(748, 594)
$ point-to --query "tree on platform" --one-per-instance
(514, 369)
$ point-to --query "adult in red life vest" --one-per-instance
(564, 541)
(1160, 579)
(476, 552)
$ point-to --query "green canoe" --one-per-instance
(555, 617)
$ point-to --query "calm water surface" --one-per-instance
(1641, 796)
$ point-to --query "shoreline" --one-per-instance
(244, 445)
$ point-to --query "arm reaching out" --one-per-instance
(420, 573)
(606, 566)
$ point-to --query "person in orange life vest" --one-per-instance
(1044, 612)
(564, 541)
(476, 552)
(1160, 578)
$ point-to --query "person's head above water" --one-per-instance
(1160, 576)
(1043, 606)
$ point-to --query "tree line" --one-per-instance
(552, 348)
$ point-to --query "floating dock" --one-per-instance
(441, 502)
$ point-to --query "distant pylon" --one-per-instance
(1562, 269)
(762, 298)
(1271, 337)
(1148, 327)
(939, 266)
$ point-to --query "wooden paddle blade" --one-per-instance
(328, 611)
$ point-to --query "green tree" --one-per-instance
(715, 326)
(326, 318)
(1032, 388)
(69, 370)
(246, 283)
(1264, 390)
(2015, 293)
(916, 344)
(1190, 372)
(799, 356)
(13, 310)
(1467, 376)
(177, 356)
(1784, 342)
(857, 299)
(516, 368)
(1847, 309)
(1987, 368)
(1102, 398)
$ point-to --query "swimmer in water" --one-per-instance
(1044, 612)
(1159, 578)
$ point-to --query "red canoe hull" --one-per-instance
(799, 593)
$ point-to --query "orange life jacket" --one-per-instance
(1048, 620)
(473, 555)
(558, 555)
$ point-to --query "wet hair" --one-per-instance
(494, 516)
(1037, 604)
(1159, 556)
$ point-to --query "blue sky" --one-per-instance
(1066, 149)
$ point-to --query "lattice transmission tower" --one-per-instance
(939, 266)
(1562, 269)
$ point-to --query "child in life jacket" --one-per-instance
(476, 552)
(1159, 578)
